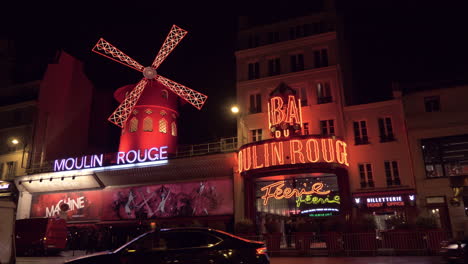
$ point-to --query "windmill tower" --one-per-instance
(147, 113)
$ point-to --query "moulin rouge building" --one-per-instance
(304, 151)
(301, 151)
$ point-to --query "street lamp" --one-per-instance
(15, 141)
(235, 109)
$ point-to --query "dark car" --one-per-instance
(455, 251)
(183, 245)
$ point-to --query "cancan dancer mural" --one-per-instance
(202, 198)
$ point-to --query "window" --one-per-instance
(447, 156)
(296, 32)
(321, 58)
(306, 128)
(174, 129)
(177, 240)
(273, 37)
(148, 124)
(391, 172)
(324, 93)
(164, 94)
(254, 41)
(327, 127)
(10, 169)
(386, 129)
(256, 135)
(255, 103)
(303, 95)
(297, 62)
(365, 173)
(162, 125)
(360, 133)
(432, 103)
(133, 124)
(254, 71)
(274, 67)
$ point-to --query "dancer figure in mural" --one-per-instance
(183, 204)
(165, 202)
(204, 199)
(122, 206)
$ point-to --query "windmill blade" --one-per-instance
(106, 49)
(193, 97)
(121, 114)
(172, 40)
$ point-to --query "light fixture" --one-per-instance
(235, 109)
(50, 179)
(30, 181)
(19, 183)
(63, 178)
(73, 177)
(40, 180)
(14, 141)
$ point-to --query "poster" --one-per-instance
(201, 198)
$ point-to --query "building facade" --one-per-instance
(437, 131)
(303, 55)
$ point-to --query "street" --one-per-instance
(288, 260)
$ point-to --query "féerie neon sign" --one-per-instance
(276, 191)
(129, 157)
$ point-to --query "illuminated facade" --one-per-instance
(302, 150)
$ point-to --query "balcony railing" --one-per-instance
(184, 151)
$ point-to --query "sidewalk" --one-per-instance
(358, 260)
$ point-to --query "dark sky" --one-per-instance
(383, 41)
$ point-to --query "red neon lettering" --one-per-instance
(339, 153)
(292, 115)
(277, 154)
(255, 158)
(328, 153)
(277, 115)
(275, 191)
(296, 148)
(247, 159)
(266, 155)
(313, 155)
(239, 160)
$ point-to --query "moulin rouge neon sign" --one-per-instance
(129, 157)
(293, 151)
(284, 119)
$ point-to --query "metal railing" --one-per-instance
(184, 151)
(353, 244)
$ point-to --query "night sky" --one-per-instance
(383, 41)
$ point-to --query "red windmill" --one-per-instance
(139, 107)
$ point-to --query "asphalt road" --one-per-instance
(290, 260)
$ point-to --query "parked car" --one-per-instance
(40, 236)
(183, 246)
(455, 251)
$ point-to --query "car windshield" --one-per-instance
(131, 242)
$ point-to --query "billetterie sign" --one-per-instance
(129, 157)
(292, 151)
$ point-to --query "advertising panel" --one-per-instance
(201, 198)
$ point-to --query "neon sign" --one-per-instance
(276, 191)
(388, 201)
(284, 119)
(129, 157)
(293, 151)
(309, 199)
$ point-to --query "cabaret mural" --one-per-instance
(201, 198)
